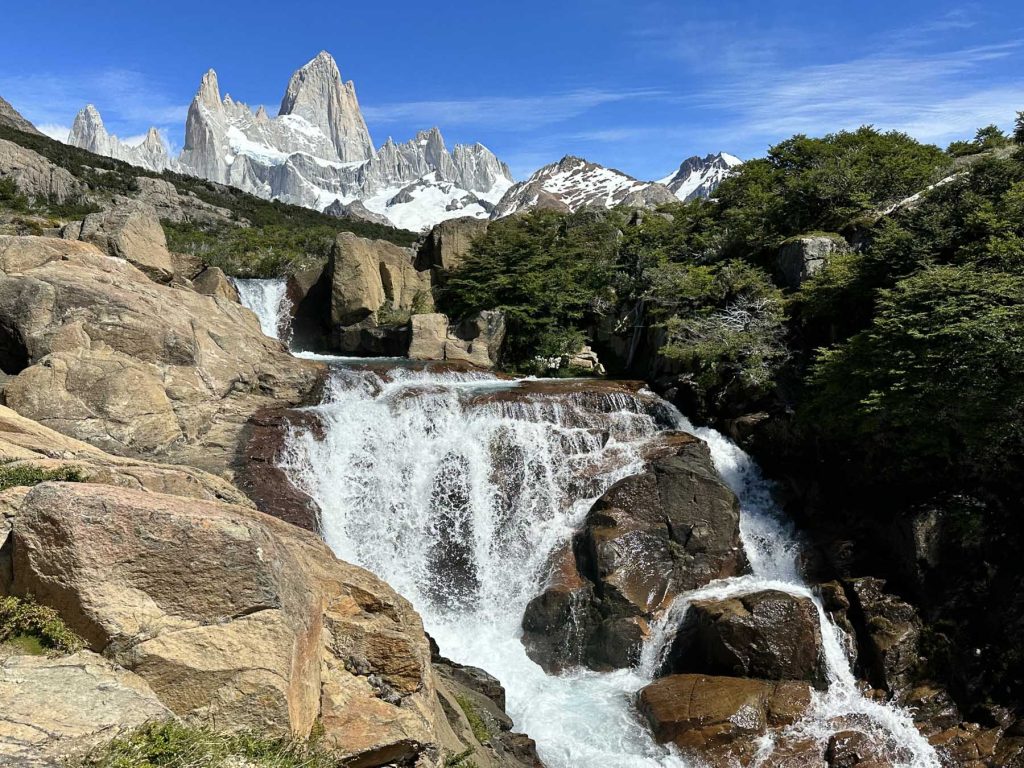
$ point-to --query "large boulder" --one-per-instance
(449, 243)
(213, 282)
(129, 230)
(802, 256)
(234, 617)
(720, 718)
(100, 352)
(890, 633)
(53, 708)
(477, 340)
(771, 635)
(366, 275)
(649, 538)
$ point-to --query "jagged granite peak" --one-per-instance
(574, 183)
(699, 177)
(12, 118)
(317, 94)
(317, 150)
(89, 132)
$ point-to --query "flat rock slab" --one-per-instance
(54, 707)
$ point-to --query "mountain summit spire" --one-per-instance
(317, 93)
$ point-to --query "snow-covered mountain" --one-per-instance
(573, 183)
(317, 152)
(89, 133)
(699, 177)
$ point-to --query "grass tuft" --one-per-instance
(35, 629)
(172, 744)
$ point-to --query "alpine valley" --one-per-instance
(317, 152)
(316, 453)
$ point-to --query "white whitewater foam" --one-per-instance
(269, 300)
(458, 496)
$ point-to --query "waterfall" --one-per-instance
(269, 300)
(457, 488)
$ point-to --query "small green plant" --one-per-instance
(461, 760)
(26, 474)
(36, 629)
(480, 730)
(171, 744)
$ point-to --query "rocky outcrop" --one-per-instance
(650, 537)
(366, 274)
(100, 352)
(259, 472)
(770, 635)
(720, 718)
(11, 118)
(129, 230)
(54, 708)
(889, 636)
(448, 244)
(355, 210)
(25, 443)
(477, 340)
(801, 257)
(213, 282)
(36, 176)
(259, 627)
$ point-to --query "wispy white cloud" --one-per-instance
(504, 112)
(56, 131)
(931, 96)
(128, 101)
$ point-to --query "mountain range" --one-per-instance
(317, 152)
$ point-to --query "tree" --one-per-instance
(990, 137)
(1018, 133)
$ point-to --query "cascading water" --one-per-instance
(269, 300)
(457, 488)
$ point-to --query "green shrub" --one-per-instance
(176, 745)
(26, 474)
(35, 628)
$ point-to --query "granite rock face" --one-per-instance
(100, 352)
(317, 94)
(52, 708)
(36, 176)
(88, 132)
(129, 230)
(801, 257)
(477, 340)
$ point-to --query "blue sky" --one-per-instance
(635, 85)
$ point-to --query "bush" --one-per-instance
(549, 273)
(35, 628)
(176, 745)
(933, 390)
(27, 474)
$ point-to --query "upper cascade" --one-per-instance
(317, 94)
(699, 177)
(88, 132)
(574, 183)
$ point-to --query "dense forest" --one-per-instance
(889, 384)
